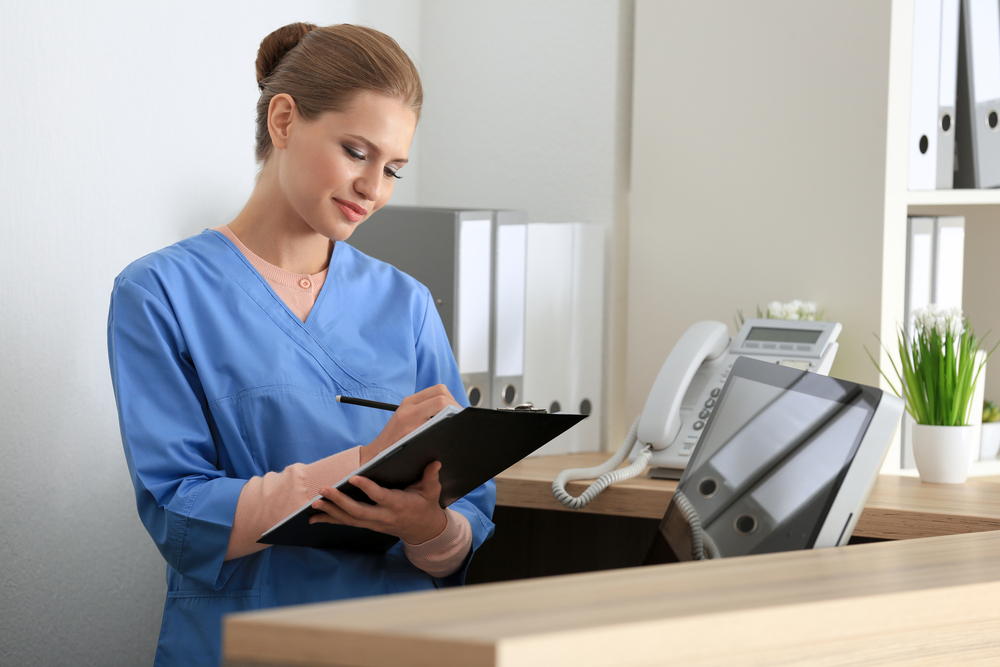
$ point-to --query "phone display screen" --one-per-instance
(776, 335)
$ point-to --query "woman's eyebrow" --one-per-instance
(374, 148)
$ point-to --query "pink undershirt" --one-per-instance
(264, 501)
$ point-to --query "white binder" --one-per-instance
(978, 137)
(510, 262)
(564, 329)
(932, 94)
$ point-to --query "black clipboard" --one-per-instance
(472, 444)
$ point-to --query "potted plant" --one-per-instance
(991, 431)
(937, 375)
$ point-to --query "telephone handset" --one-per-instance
(703, 343)
(686, 390)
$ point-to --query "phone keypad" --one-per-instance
(695, 429)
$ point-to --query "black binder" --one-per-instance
(473, 445)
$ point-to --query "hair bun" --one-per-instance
(274, 47)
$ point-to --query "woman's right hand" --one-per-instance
(411, 413)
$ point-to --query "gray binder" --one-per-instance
(451, 252)
(978, 100)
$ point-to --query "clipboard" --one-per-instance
(472, 444)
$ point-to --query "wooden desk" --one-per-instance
(907, 602)
(898, 508)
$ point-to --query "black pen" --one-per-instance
(366, 403)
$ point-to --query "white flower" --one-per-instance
(957, 322)
(793, 310)
(941, 325)
(934, 319)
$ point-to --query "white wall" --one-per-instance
(126, 126)
(528, 106)
(759, 170)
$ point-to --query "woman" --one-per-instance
(228, 348)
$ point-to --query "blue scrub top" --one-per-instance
(217, 381)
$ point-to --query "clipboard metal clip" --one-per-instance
(523, 407)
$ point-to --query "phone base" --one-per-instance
(665, 473)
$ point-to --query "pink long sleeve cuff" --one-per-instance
(264, 501)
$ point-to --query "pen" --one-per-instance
(366, 403)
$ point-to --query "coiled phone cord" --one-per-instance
(605, 474)
(702, 546)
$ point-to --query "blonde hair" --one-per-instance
(324, 68)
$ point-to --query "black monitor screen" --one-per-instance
(773, 455)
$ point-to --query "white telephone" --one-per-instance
(686, 389)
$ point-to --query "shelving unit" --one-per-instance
(975, 205)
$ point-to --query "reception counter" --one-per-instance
(925, 591)
(909, 602)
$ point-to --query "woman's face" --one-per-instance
(338, 169)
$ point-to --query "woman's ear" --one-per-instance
(280, 114)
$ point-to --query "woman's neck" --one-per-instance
(273, 231)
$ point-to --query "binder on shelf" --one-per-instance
(451, 252)
(932, 94)
(563, 367)
(510, 262)
(978, 97)
(935, 260)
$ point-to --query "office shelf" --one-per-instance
(980, 205)
(946, 198)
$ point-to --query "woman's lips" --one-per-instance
(354, 212)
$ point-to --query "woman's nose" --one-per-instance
(369, 184)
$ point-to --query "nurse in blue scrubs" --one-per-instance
(228, 348)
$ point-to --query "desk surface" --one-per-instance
(924, 601)
(898, 507)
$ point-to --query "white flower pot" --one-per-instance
(991, 441)
(944, 454)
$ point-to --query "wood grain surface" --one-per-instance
(910, 602)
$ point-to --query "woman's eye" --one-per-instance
(354, 153)
(391, 173)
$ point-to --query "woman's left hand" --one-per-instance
(413, 514)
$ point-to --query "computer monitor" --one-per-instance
(786, 461)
